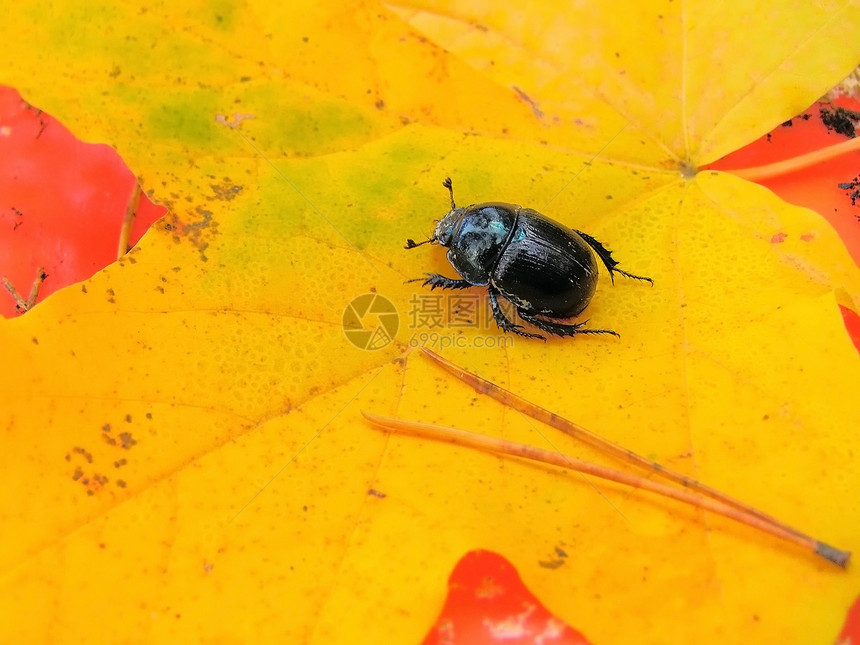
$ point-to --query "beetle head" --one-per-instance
(446, 226)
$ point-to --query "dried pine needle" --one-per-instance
(586, 436)
(505, 447)
(578, 432)
(21, 305)
(128, 220)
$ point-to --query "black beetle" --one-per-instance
(542, 267)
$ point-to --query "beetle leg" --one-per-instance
(560, 329)
(606, 257)
(502, 321)
(436, 280)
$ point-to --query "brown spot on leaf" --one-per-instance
(85, 454)
(226, 190)
(127, 440)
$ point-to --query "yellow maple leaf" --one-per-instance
(184, 458)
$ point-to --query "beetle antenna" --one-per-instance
(447, 184)
(411, 244)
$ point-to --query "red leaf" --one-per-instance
(488, 603)
(62, 202)
(851, 629)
